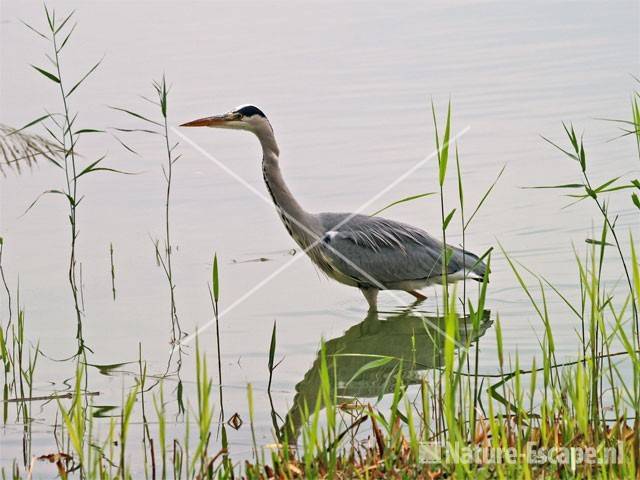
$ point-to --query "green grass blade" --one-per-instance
(49, 75)
(406, 199)
(215, 280)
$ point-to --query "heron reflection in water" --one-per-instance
(410, 338)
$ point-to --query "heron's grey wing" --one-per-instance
(374, 250)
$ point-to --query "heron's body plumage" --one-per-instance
(375, 252)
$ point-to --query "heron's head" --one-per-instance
(246, 117)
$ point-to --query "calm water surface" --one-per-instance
(347, 88)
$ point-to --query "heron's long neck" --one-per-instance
(297, 221)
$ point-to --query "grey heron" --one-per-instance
(367, 252)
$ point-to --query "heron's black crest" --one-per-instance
(250, 110)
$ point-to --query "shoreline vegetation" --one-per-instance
(399, 395)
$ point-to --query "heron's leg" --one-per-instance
(371, 294)
(419, 297)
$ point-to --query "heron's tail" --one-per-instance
(473, 264)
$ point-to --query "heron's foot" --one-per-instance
(419, 297)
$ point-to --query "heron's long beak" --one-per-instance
(215, 121)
